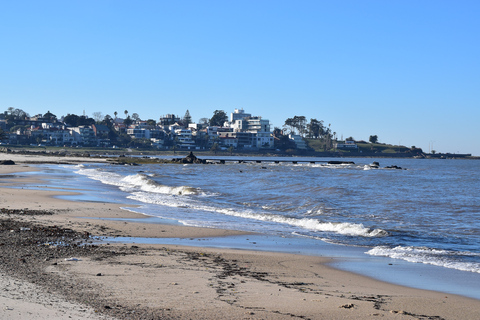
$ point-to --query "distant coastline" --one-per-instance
(103, 152)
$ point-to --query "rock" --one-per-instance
(340, 162)
(191, 158)
(7, 162)
(375, 165)
(393, 167)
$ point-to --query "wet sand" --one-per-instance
(140, 281)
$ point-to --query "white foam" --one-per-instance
(136, 182)
(144, 189)
(344, 228)
(442, 258)
(144, 183)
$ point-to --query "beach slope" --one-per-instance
(51, 263)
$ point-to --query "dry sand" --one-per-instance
(173, 282)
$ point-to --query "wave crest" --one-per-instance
(143, 182)
(135, 182)
(437, 257)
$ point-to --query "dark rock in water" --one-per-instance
(191, 158)
(375, 165)
(341, 162)
(7, 162)
(393, 167)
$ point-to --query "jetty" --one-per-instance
(191, 158)
(294, 161)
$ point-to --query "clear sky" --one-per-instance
(406, 71)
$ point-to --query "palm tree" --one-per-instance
(126, 113)
(115, 114)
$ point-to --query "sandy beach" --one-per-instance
(44, 279)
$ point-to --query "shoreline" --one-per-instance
(232, 283)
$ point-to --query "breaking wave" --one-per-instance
(442, 258)
(137, 182)
(344, 228)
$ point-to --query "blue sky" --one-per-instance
(406, 71)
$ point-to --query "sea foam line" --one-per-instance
(135, 182)
(142, 188)
(344, 228)
(442, 258)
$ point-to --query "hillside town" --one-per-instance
(239, 131)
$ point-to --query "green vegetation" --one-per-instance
(136, 161)
(381, 147)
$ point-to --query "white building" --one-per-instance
(238, 114)
(347, 145)
(83, 134)
(299, 142)
(184, 138)
(138, 133)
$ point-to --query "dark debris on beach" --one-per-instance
(27, 249)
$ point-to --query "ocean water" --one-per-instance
(426, 213)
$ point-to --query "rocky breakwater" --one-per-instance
(191, 158)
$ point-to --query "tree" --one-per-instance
(301, 124)
(3, 135)
(71, 119)
(187, 119)
(315, 128)
(285, 143)
(135, 117)
(289, 124)
(327, 138)
(296, 124)
(373, 139)
(98, 116)
(151, 122)
(203, 121)
(218, 119)
(128, 121)
(108, 121)
(115, 114)
(16, 114)
(74, 121)
(126, 113)
(215, 148)
(50, 116)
